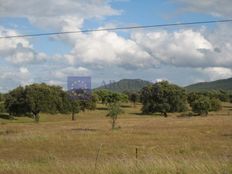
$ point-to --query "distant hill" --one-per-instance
(131, 85)
(224, 84)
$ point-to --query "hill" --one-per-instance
(223, 84)
(133, 85)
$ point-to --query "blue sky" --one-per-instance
(182, 55)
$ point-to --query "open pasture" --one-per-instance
(173, 145)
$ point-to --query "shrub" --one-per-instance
(201, 106)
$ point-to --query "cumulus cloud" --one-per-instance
(18, 50)
(179, 48)
(54, 13)
(215, 73)
(10, 78)
(70, 71)
(182, 48)
(106, 49)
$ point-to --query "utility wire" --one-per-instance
(117, 28)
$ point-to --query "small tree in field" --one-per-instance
(201, 106)
(42, 98)
(114, 111)
(134, 97)
(215, 104)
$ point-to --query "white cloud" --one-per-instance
(179, 48)
(53, 13)
(18, 50)
(70, 71)
(23, 70)
(215, 73)
(9, 45)
(108, 49)
(10, 78)
(182, 48)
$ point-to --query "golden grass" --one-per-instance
(173, 145)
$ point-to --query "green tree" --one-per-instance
(2, 104)
(230, 98)
(134, 97)
(163, 97)
(37, 98)
(192, 96)
(2, 107)
(107, 97)
(42, 98)
(15, 102)
(114, 110)
(102, 95)
(81, 100)
(75, 108)
(201, 106)
(215, 104)
(1, 97)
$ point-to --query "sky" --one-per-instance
(182, 55)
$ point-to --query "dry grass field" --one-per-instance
(173, 145)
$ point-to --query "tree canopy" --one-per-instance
(163, 97)
(37, 98)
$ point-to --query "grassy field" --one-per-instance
(173, 145)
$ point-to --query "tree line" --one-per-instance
(161, 97)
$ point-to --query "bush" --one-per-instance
(201, 106)
(215, 104)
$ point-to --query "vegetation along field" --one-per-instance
(175, 144)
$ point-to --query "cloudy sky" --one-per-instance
(182, 55)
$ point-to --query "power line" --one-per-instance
(117, 28)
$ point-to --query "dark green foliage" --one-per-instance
(89, 104)
(37, 98)
(102, 95)
(131, 85)
(1, 97)
(201, 105)
(215, 104)
(2, 107)
(230, 98)
(16, 103)
(224, 84)
(221, 95)
(2, 104)
(107, 97)
(133, 97)
(163, 97)
(81, 100)
(203, 102)
(114, 110)
(42, 98)
(75, 108)
(191, 97)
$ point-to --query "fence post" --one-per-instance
(136, 156)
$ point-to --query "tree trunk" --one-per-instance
(37, 117)
(165, 114)
(113, 123)
(73, 116)
(134, 104)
